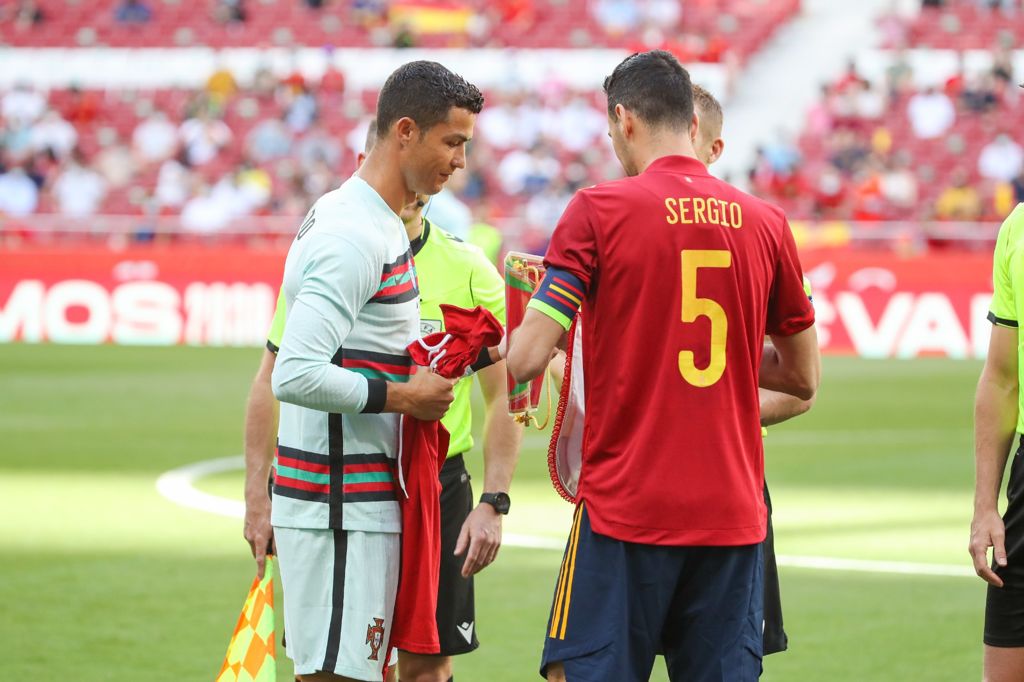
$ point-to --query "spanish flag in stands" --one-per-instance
(425, 16)
(251, 656)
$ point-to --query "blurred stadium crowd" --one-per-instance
(870, 150)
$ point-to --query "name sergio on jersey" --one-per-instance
(703, 211)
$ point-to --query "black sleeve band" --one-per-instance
(482, 361)
(1001, 322)
(376, 396)
(272, 348)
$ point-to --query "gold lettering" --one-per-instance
(672, 218)
(684, 210)
(713, 217)
(736, 215)
(698, 210)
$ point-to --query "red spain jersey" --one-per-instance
(680, 276)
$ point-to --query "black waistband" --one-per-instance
(454, 464)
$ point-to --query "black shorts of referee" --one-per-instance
(1004, 606)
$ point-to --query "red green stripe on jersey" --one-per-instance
(397, 281)
(368, 477)
(559, 296)
(374, 365)
(302, 475)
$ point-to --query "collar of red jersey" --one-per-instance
(677, 164)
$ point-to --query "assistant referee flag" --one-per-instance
(251, 656)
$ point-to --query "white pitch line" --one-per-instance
(871, 566)
(178, 486)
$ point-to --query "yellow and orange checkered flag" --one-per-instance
(251, 656)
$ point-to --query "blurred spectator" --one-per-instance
(300, 109)
(24, 14)
(19, 196)
(264, 84)
(575, 125)
(899, 75)
(899, 185)
(173, 182)
(403, 36)
(114, 161)
(206, 213)
(318, 179)
(203, 137)
(527, 172)
(1018, 188)
(979, 94)
(332, 83)
(1002, 67)
(79, 190)
(369, 12)
(317, 145)
(782, 154)
(221, 85)
(229, 11)
(664, 13)
(959, 201)
(545, 208)
(617, 17)
(155, 138)
(255, 186)
(829, 192)
(83, 106)
(1001, 159)
(497, 122)
(133, 12)
(931, 114)
(269, 139)
(54, 135)
(22, 105)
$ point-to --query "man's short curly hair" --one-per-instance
(425, 92)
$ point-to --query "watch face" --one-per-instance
(500, 501)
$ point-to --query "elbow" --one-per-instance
(805, 388)
(520, 365)
(281, 385)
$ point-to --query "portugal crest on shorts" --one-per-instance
(375, 638)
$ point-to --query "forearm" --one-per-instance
(779, 407)
(792, 365)
(503, 437)
(995, 419)
(532, 344)
(261, 413)
(304, 374)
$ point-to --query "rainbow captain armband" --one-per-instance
(559, 296)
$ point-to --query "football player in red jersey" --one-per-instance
(681, 276)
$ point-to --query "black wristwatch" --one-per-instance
(500, 501)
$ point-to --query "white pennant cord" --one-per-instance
(435, 352)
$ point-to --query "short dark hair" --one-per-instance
(425, 92)
(655, 87)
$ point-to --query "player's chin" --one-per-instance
(442, 180)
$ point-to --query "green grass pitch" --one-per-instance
(103, 579)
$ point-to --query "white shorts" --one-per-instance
(339, 599)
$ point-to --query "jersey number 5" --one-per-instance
(694, 307)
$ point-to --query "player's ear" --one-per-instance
(717, 147)
(360, 157)
(406, 130)
(694, 125)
